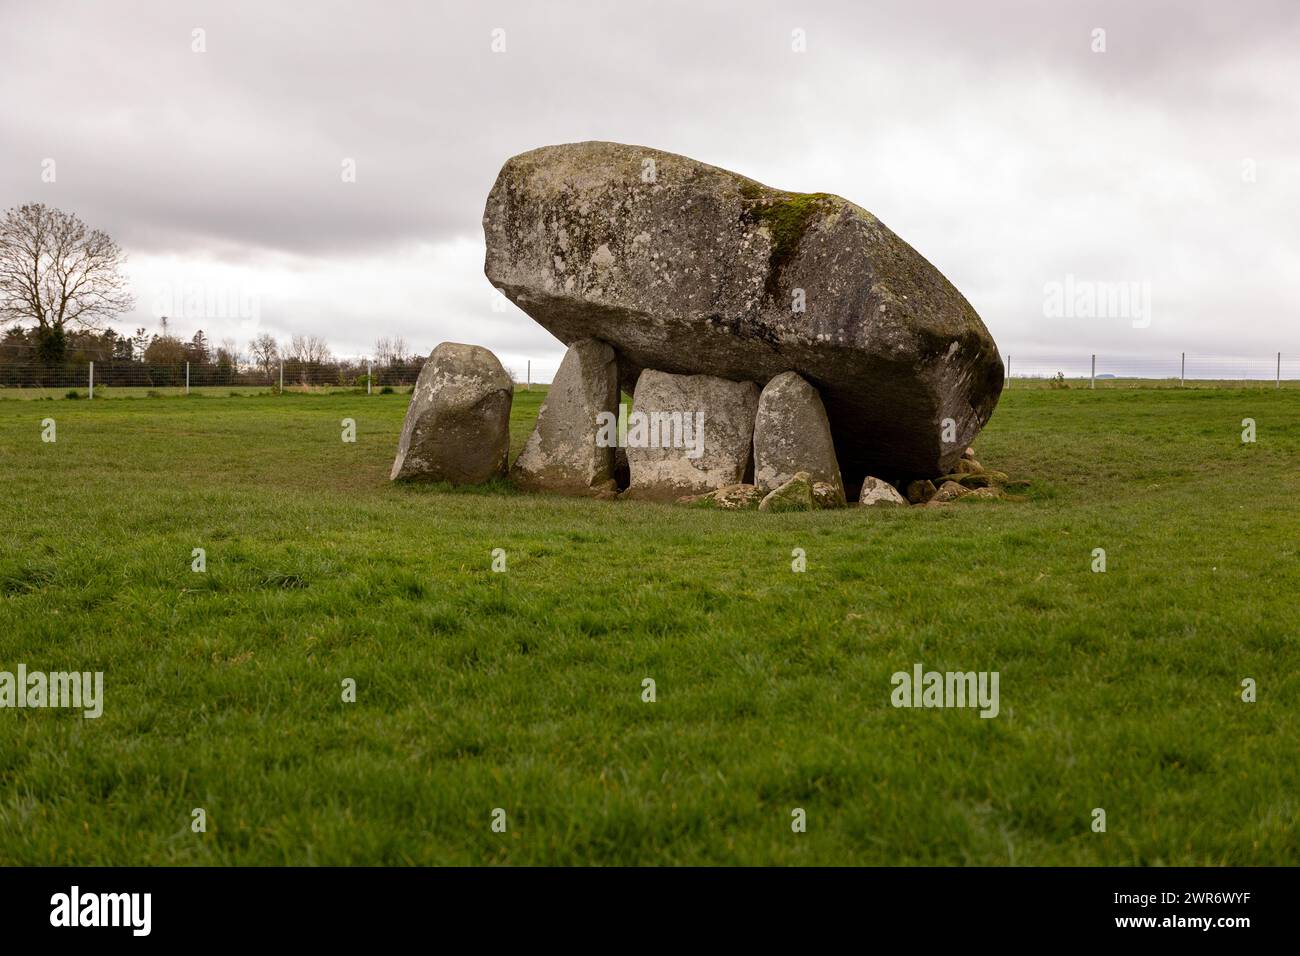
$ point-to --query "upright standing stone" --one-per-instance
(457, 426)
(563, 453)
(688, 434)
(791, 434)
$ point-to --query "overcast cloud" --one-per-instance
(988, 135)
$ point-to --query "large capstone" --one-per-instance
(457, 426)
(691, 269)
(571, 450)
(791, 434)
(688, 434)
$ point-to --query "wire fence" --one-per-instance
(1132, 371)
(1183, 369)
(101, 379)
(106, 378)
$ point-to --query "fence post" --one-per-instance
(1008, 370)
(368, 376)
(528, 383)
(92, 380)
(1279, 369)
(1092, 379)
(187, 378)
(1182, 373)
(281, 376)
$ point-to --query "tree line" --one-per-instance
(60, 284)
(160, 359)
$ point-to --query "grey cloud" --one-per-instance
(988, 135)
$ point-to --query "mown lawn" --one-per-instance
(523, 690)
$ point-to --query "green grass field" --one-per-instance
(523, 690)
(173, 391)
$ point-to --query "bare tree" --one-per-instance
(308, 349)
(265, 353)
(401, 354)
(318, 349)
(383, 352)
(304, 355)
(58, 273)
(231, 348)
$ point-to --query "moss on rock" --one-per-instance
(983, 479)
(786, 216)
(795, 495)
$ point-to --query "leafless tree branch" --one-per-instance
(57, 272)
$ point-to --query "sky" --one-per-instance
(1096, 177)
